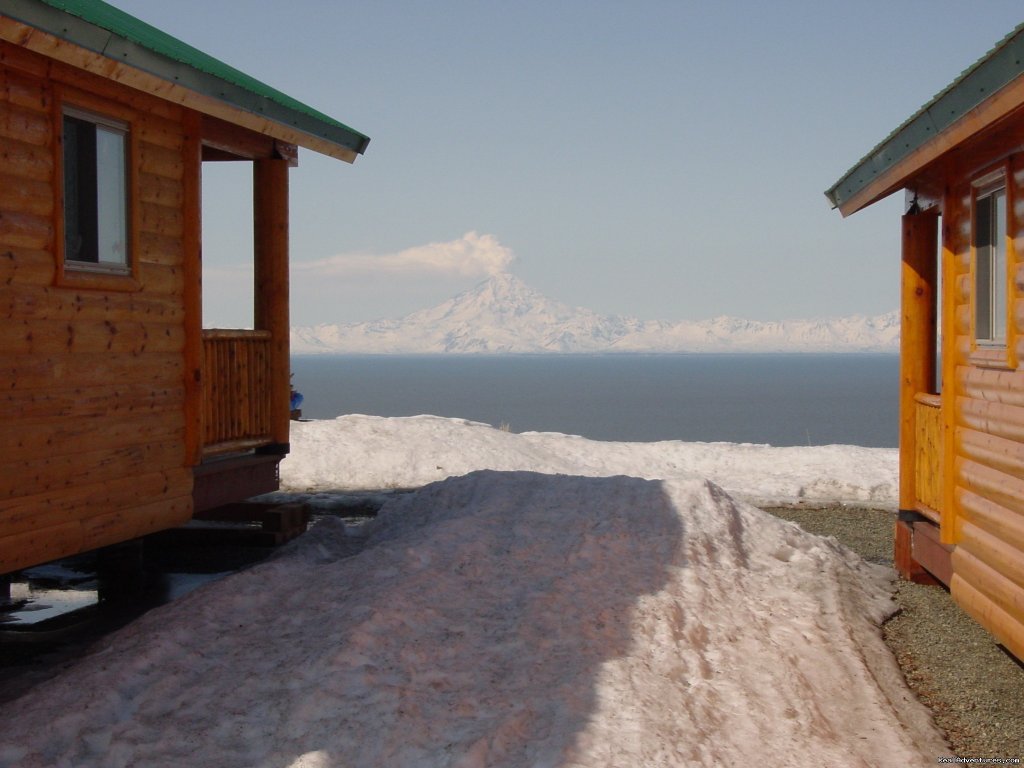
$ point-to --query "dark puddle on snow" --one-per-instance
(40, 596)
(51, 614)
(62, 595)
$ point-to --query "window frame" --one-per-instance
(993, 351)
(101, 275)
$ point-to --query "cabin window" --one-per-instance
(990, 276)
(95, 159)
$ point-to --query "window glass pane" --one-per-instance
(111, 197)
(983, 268)
(999, 286)
(79, 190)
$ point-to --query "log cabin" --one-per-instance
(960, 161)
(121, 415)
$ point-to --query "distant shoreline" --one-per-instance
(625, 353)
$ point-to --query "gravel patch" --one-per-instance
(974, 688)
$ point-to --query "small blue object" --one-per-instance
(296, 400)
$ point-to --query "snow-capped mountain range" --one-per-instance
(503, 315)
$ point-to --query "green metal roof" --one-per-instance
(996, 69)
(106, 30)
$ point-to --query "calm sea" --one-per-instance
(776, 399)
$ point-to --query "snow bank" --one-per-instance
(504, 619)
(371, 453)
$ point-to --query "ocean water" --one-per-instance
(777, 399)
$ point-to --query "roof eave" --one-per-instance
(48, 31)
(983, 94)
(900, 173)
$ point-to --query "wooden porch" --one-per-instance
(928, 475)
(236, 391)
(238, 460)
(919, 554)
(239, 399)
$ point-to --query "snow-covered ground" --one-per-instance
(566, 616)
(369, 452)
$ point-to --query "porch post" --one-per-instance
(917, 362)
(270, 214)
(192, 244)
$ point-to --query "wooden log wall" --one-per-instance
(983, 413)
(92, 449)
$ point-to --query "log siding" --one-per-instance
(108, 402)
(985, 403)
(93, 371)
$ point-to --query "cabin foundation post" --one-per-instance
(917, 369)
(270, 213)
(120, 571)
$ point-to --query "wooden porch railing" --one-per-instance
(236, 390)
(928, 452)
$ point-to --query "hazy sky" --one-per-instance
(659, 159)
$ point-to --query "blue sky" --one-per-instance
(665, 160)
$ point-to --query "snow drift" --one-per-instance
(358, 453)
(505, 619)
